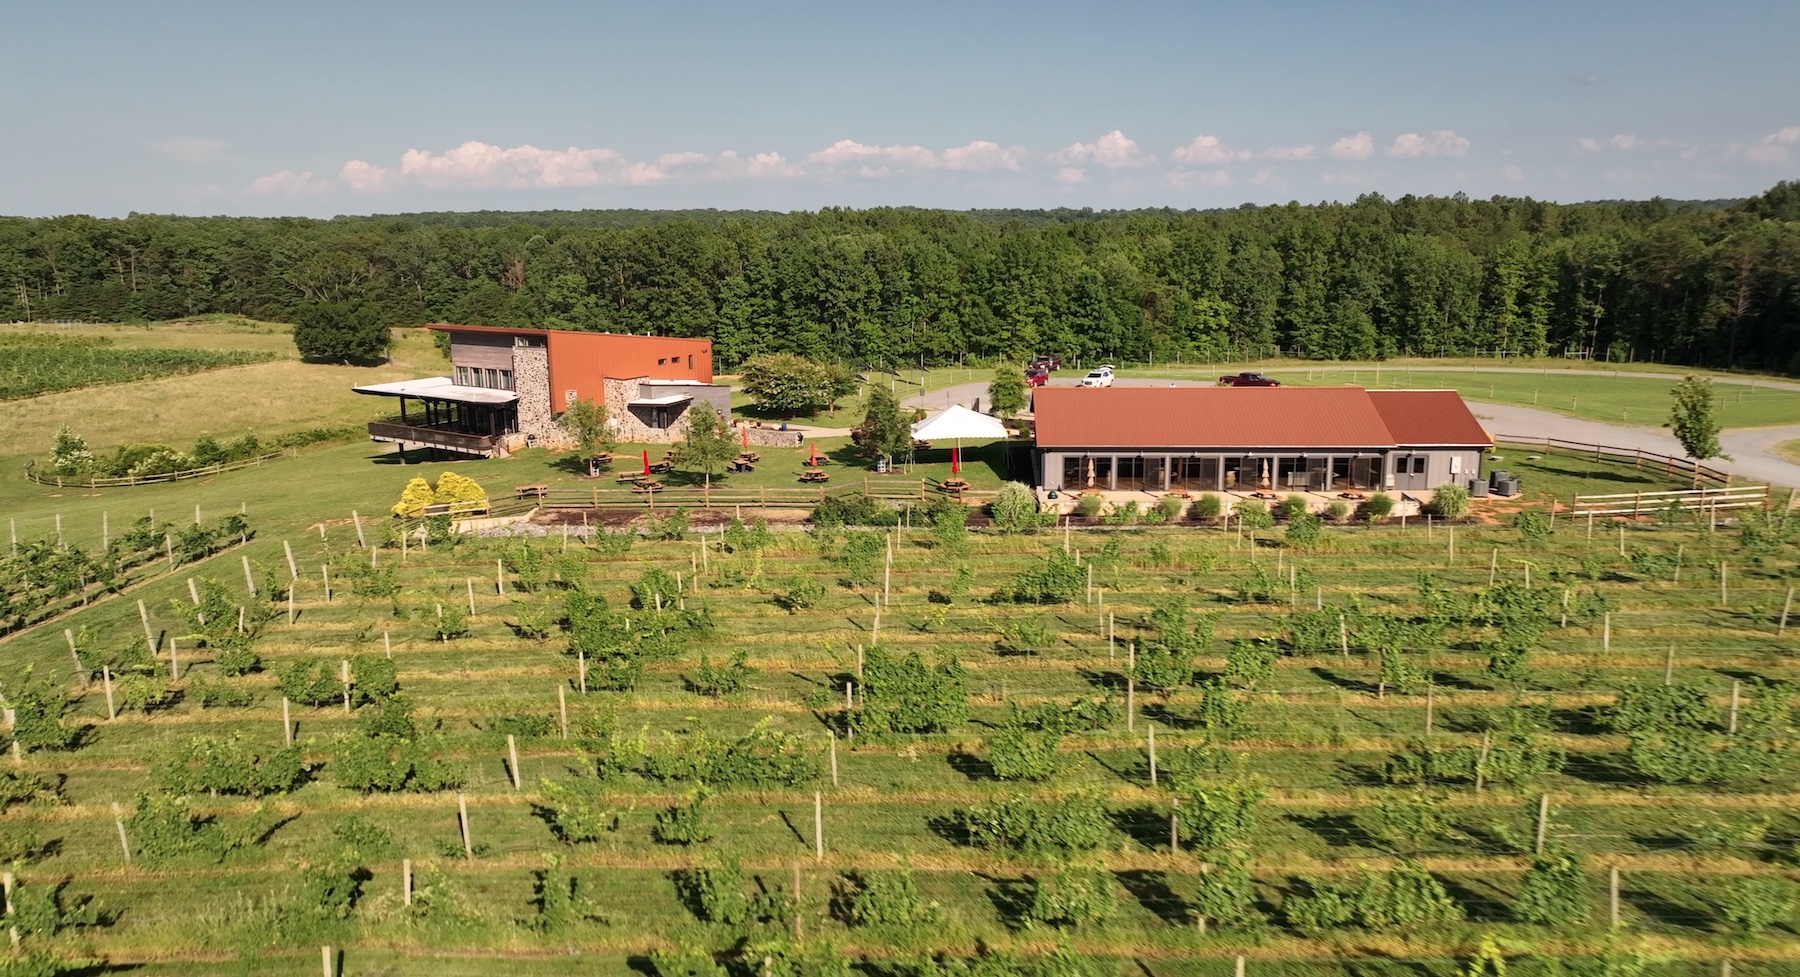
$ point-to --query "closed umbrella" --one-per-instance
(744, 433)
(1090, 483)
(813, 459)
(956, 460)
(646, 461)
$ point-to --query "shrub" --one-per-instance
(1075, 823)
(950, 529)
(1207, 506)
(1015, 508)
(1304, 529)
(1532, 525)
(1554, 893)
(670, 528)
(229, 766)
(1168, 508)
(1073, 896)
(1291, 507)
(1754, 904)
(727, 679)
(1089, 505)
(390, 764)
(1252, 514)
(576, 810)
(906, 695)
(885, 898)
(414, 498)
(801, 593)
(1449, 502)
(682, 824)
(1123, 514)
(851, 509)
(1338, 511)
(453, 488)
(1056, 579)
(1016, 753)
(1377, 506)
(1250, 661)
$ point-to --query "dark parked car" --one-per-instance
(1044, 363)
(1248, 380)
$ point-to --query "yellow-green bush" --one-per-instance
(414, 498)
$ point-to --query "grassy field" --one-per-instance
(37, 363)
(1315, 735)
(1789, 450)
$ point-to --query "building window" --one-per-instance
(1418, 464)
(690, 361)
(662, 361)
(506, 380)
(461, 378)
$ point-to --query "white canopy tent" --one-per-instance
(958, 423)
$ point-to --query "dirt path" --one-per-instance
(1752, 449)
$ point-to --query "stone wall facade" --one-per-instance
(531, 380)
(768, 437)
(633, 426)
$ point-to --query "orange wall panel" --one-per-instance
(580, 361)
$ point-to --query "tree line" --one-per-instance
(1714, 284)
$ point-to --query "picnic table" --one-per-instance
(530, 491)
(661, 467)
(741, 465)
(814, 475)
(647, 485)
(749, 456)
(956, 485)
(628, 476)
(921, 445)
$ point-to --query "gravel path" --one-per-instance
(1752, 449)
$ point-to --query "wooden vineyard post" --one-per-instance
(834, 770)
(361, 543)
(581, 670)
(875, 630)
(1731, 726)
(149, 635)
(1174, 827)
(406, 881)
(249, 580)
(6, 890)
(470, 583)
(1722, 600)
(193, 592)
(1788, 605)
(344, 678)
(562, 708)
(859, 662)
(174, 662)
(1612, 885)
(1606, 632)
(119, 822)
(293, 568)
(1622, 538)
(1493, 566)
(1150, 739)
(499, 577)
(1343, 636)
(462, 820)
(1679, 548)
(1130, 703)
(849, 696)
(81, 672)
(325, 956)
(1543, 821)
(1429, 689)
(512, 756)
(1481, 762)
(290, 601)
(1669, 667)
(1565, 608)
(387, 644)
(818, 826)
(106, 680)
(287, 723)
(1109, 636)
(1237, 968)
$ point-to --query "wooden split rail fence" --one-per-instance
(1670, 464)
(1636, 504)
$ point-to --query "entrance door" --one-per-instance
(1409, 471)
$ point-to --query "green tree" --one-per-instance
(341, 331)
(789, 384)
(709, 444)
(585, 421)
(1694, 420)
(885, 430)
(1006, 392)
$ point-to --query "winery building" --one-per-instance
(506, 387)
(1249, 439)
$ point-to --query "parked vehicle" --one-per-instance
(1045, 363)
(1102, 377)
(1247, 380)
(1036, 378)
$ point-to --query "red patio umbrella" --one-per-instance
(815, 455)
(646, 461)
(956, 461)
(744, 433)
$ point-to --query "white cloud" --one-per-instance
(1207, 151)
(681, 159)
(760, 166)
(1188, 179)
(1620, 143)
(1443, 142)
(872, 159)
(1773, 148)
(981, 156)
(1586, 79)
(1513, 172)
(1071, 175)
(189, 150)
(1358, 146)
(1114, 151)
(287, 183)
(1288, 154)
(476, 164)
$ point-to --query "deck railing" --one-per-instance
(431, 436)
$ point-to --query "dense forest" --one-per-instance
(1714, 284)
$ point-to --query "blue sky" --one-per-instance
(325, 108)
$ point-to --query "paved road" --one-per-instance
(1751, 449)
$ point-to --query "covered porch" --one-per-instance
(439, 414)
(1216, 471)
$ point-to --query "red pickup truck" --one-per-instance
(1247, 380)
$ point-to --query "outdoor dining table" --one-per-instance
(814, 475)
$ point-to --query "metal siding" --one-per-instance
(1271, 418)
(482, 350)
(1427, 417)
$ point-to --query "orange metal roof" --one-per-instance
(1428, 417)
(1241, 417)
